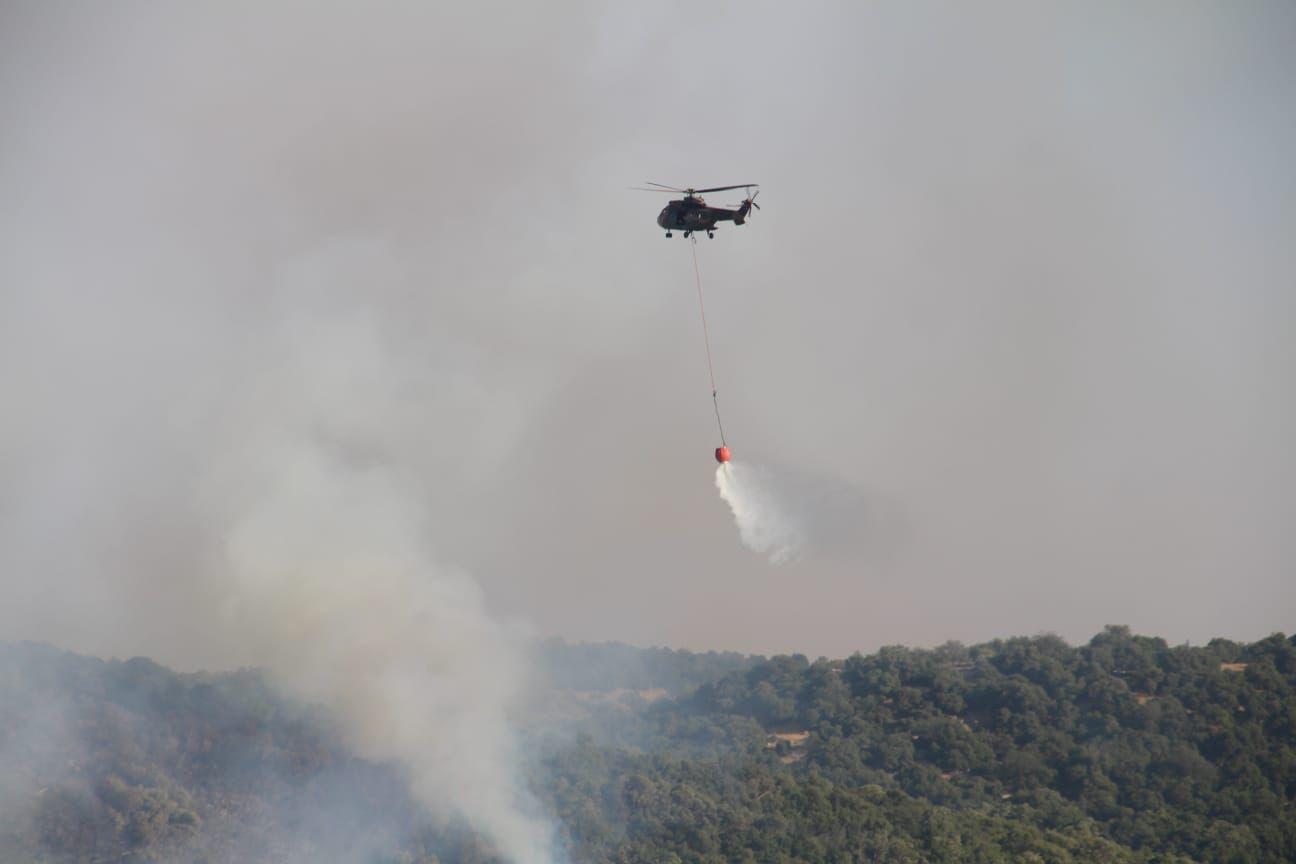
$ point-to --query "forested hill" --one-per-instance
(1124, 749)
(615, 666)
(1029, 745)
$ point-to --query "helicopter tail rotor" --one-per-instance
(745, 208)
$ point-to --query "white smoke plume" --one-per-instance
(279, 513)
(240, 414)
(327, 576)
(766, 523)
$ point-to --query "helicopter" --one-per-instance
(692, 213)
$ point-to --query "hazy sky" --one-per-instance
(1020, 307)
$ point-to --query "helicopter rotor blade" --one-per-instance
(725, 188)
(664, 186)
(646, 189)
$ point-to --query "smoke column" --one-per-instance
(328, 578)
(280, 514)
(765, 524)
(246, 391)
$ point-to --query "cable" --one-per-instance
(706, 339)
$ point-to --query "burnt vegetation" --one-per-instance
(1124, 749)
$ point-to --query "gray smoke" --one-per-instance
(328, 576)
(240, 401)
(1023, 273)
(308, 520)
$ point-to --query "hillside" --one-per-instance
(1124, 749)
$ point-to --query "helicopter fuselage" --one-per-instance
(692, 214)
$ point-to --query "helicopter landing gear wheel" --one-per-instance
(668, 234)
(711, 234)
